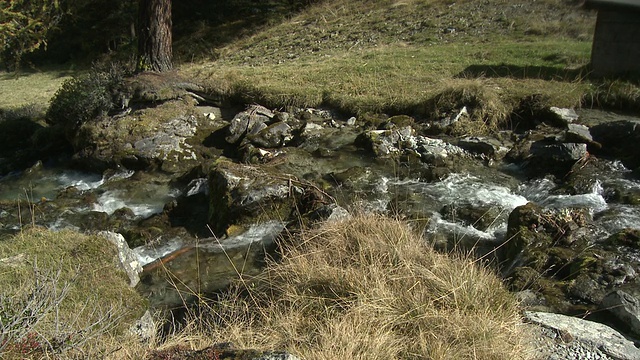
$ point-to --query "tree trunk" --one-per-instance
(154, 35)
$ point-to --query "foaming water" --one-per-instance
(144, 202)
(460, 189)
(464, 190)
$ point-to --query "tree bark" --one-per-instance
(154, 35)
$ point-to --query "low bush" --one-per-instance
(87, 96)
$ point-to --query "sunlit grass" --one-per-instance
(400, 79)
(30, 87)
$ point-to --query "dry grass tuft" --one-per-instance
(483, 101)
(614, 95)
(369, 288)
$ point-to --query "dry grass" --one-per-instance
(367, 288)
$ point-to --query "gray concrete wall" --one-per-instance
(616, 43)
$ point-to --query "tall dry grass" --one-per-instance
(367, 288)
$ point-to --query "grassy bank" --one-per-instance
(62, 295)
(399, 79)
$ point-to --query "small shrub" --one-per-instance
(87, 96)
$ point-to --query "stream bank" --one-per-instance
(554, 203)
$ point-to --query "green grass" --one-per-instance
(400, 79)
(28, 88)
(78, 294)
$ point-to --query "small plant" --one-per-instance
(20, 313)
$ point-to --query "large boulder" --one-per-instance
(550, 157)
(167, 137)
(625, 307)
(619, 139)
(241, 195)
(561, 255)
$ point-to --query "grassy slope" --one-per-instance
(394, 56)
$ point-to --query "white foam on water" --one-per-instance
(464, 188)
(620, 217)
(594, 202)
(438, 224)
(112, 200)
(80, 181)
(257, 233)
(149, 253)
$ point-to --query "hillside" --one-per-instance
(402, 56)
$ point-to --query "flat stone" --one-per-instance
(577, 133)
(567, 116)
(566, 337)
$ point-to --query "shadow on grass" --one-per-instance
(525, 72)
(202, 26)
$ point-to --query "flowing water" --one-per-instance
(493, 192)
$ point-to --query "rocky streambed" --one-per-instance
(201, 194)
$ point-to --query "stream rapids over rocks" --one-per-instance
(201, 193)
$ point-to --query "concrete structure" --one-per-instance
(616, 42)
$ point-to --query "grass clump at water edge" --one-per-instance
(366, 288)
(63, 296)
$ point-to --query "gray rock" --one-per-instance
(566, 337)
(144, 328)
(244, 122)
(577, 133)
(272, 136)
(619, 139)
(555, 158)
(242, 194)
(276, 356)
(168, 143)
(384, 143)
(625, 307)
(128, 259)
(566, 116)
(490, 147)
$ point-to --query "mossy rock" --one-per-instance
(397, 122)
(243, 194)
(627, 237)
